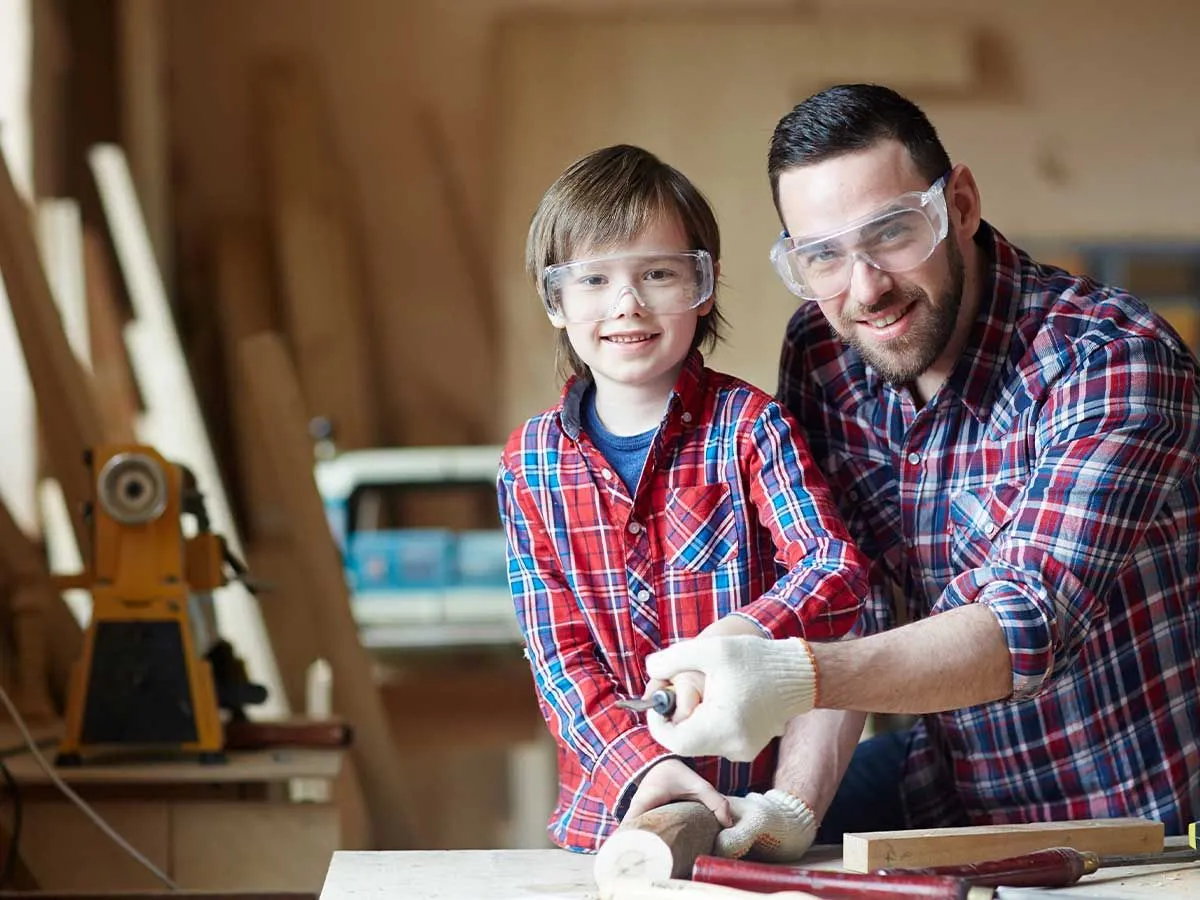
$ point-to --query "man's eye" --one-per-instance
(892, 233)
(821, 256)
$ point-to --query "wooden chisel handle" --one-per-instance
(1055, 867)
(827, 885)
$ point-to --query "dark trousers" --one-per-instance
(868, 799)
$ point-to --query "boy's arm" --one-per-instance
(576, 692)
(822, 592)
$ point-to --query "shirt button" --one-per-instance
(852, 494)
(635, 527)
(990, 528)
(687, 417)
(606, 474)
(914, 458)
(643, 595)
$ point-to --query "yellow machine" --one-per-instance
(152, 673)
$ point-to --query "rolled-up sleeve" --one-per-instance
(1114, 437)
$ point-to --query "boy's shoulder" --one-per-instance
(532, 437)
(730, 390)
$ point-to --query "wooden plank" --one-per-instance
(867, 851)
(523, 874)
(252, 846)
(243, 295)
(274, 393)
(67, 408)
(322, 285)
(116, 392)
(173, 423)
(263, 767)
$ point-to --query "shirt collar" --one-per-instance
(686, 403)
(977, 374)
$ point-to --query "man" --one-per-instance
(1016, 449)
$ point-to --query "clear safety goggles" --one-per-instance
(898, 237)
(590, 290)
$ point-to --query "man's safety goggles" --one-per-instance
(895, 238)
(590, 290)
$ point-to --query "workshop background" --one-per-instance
(325, 259)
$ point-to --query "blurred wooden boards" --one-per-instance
(276, 403)
(318, 262)
(568, 84)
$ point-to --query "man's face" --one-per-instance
(899, 322)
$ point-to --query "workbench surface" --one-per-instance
(558, 875)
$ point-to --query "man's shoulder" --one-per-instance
(1071, 315)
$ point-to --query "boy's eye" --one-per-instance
(592, 280)
(659, 275)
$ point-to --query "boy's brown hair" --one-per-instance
(606, 198)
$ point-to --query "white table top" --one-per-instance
(559, 875)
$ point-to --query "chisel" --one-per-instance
(661, 701)
(1055, 867)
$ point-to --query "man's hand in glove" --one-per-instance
(772, 827)
(752, 687)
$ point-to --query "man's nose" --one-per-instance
(867, 282)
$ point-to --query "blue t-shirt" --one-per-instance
(625, 453)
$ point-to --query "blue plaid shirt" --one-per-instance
(730, 515)
(1054, 477)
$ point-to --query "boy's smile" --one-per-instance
(635, 355)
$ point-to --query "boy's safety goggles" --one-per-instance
(591, 290)
(899, 236)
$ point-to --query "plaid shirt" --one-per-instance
(1054, 477)
(730, 514)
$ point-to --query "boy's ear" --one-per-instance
(556, 320)
(707, 306)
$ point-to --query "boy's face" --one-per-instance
(635, 347)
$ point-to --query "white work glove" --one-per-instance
(772, 827)
(752, 687)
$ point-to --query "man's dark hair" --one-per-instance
(849, 117)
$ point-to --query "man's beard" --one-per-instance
(907, 357)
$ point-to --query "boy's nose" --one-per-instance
(627, 303)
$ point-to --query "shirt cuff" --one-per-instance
(1043, 610)
(620, 768)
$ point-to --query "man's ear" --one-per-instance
(963, 203)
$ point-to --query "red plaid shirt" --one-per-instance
(1054, 478)
(729, 515)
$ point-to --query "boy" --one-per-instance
(659, 500)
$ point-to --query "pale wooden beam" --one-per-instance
(173, 423)
(18, 449)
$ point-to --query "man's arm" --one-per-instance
(957, 659)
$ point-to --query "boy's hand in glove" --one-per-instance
(752, 687)
(772, 827)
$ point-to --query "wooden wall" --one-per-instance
(1077, 117)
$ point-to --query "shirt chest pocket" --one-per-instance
(699, 527)
(978, 519)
